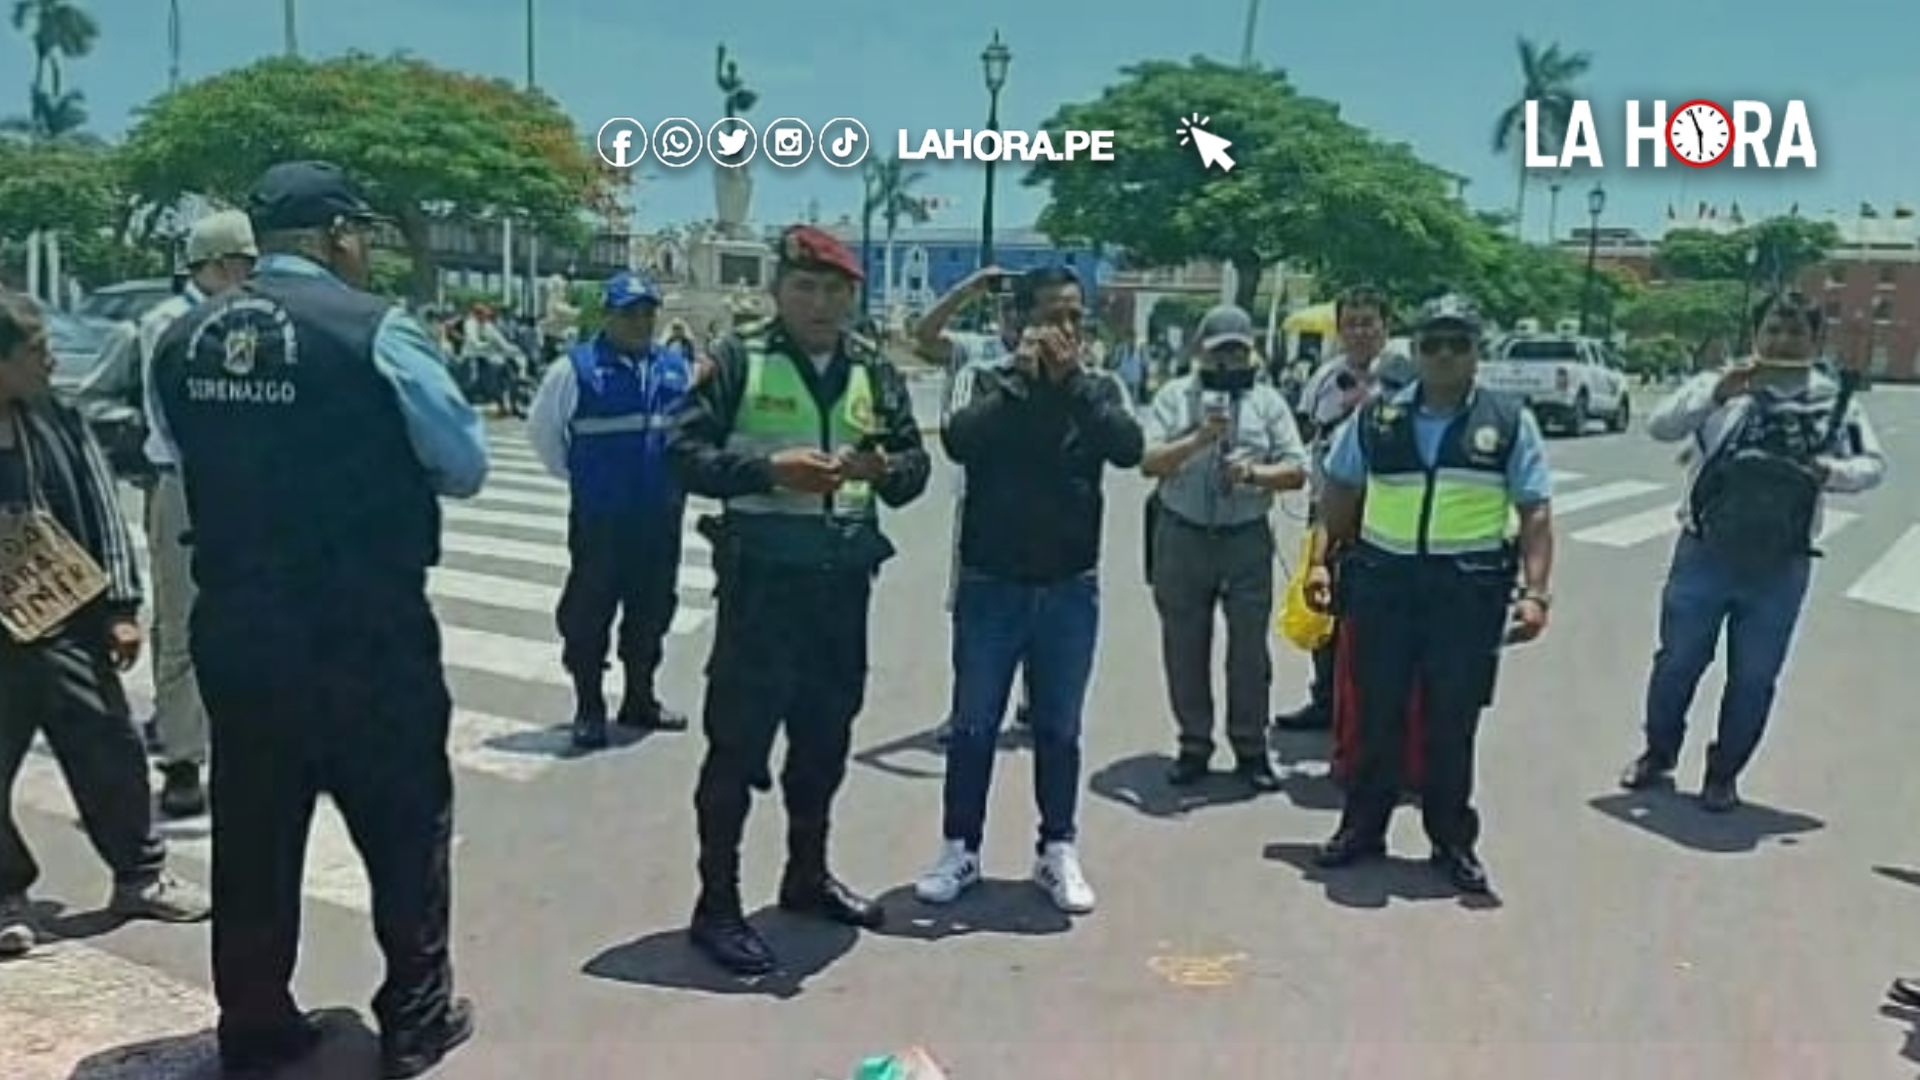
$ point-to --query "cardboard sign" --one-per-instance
(45, 576)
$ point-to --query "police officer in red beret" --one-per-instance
(802, 430)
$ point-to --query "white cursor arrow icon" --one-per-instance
(1212, 148)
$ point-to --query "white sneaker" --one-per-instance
(1058, 871)
(957, 870)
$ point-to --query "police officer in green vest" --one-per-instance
(1424, 490)
(802, 429)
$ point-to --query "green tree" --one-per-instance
(76, 189)
(1783, 247)
(1546, 76)
(60, 30)
(1306, 185)
(423, 142)
(1697, 314)
(1699, 255)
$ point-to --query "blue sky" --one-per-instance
(1434, 74)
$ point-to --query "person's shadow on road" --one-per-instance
(1371, 884)
(668, 960)
(928, 746)
(1140, 783)
(1680, 818)
(557, 742)
(1015, 908)
(56, 922)
(1900, 874)
(348, 1050)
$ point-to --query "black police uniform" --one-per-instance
(318, 655)
(790, 645)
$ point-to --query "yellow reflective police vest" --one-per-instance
(1458, 506)
(777, 413)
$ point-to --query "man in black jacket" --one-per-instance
(804, 430)
(1033, 440)
(63, 681)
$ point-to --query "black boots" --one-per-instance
(589, 711)
(808, 888)
(181, 793)
(721, 931)
(640, 709)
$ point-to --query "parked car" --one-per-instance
(96, 367)
(127, 300)
(1566, 380)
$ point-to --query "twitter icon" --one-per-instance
(732, 142)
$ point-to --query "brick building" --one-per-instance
(1869, 284)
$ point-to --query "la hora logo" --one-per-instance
(1701, 133)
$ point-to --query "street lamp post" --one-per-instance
(1746, 301)
(293, 38)
(994, 63)
(1596, 202)
(529, 44)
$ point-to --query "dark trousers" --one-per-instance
(789, 647)
(68, 689)
(1321, 693)
(1198, 572)
(337, 691)
(1421, 622)
(622, 562)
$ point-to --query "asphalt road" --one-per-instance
(1630, 936)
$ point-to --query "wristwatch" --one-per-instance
(1545, 600)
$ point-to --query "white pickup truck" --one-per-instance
(1566, 380)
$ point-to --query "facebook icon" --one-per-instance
(622, 142)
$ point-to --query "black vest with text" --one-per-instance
(295, 454)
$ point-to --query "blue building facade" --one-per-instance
(927, 262)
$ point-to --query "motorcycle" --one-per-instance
(500, 378)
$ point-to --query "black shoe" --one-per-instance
(590, 729)
(1906, 992)
(1258, 774)
(181, 794)
(1313, 716)
(1647, 770)
(643, 712)
(1187, 770)
(410, 1053)
(761, 780)
(1348, 847)
(1719, 796)
(826, 897)
(262, 1054)
(1462, 867)
(727, 939)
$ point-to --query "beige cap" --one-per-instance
(219, 234)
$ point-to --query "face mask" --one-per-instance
(1232, 380)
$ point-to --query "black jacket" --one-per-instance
(81, 493)
(1033, 451)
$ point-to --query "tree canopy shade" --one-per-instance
(421, 141)
(1694, 313)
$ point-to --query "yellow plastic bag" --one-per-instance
(1304, 627)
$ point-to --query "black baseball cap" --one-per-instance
(304, 195)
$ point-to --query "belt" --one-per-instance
(1233, 529)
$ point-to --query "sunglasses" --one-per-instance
(1435, 344)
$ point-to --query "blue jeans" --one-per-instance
(1702, 592)
(999, 626)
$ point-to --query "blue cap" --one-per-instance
(626, 289)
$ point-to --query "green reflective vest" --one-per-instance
(777, 413)
(1458, 506)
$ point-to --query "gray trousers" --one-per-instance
(179, 714)
(1195, 571)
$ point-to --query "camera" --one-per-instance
(787, 142)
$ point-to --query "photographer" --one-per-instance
(1221, 444)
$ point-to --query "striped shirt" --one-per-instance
(72, 480)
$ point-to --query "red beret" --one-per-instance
(805, 247)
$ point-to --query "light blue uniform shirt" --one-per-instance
(447, 435)
(1529, 479)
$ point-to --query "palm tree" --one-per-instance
(1546, 77)
(59, 29)
(891, 196)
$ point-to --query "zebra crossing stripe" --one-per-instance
(1601, 495)
(476, 515)
(1832, 521)
(1633, 530)
(1894, 581)
(543, 500)
(497, 479)
(1567, 476)
(538, 554)
(531, 596)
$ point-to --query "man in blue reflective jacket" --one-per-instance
(600, 423)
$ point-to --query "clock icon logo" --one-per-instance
(1700, 133)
